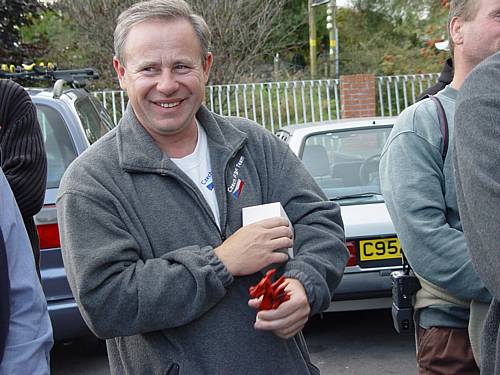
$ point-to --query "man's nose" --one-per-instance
(167, 82)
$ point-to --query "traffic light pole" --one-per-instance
(333, 52)
(312, 40)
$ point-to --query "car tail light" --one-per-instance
(49, 236)
(351, 246)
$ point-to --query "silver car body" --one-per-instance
(363, 286)
(66, 122)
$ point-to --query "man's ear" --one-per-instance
(207, 65)
(120, 71)
(456, 34)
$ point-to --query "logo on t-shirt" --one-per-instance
(208, 181)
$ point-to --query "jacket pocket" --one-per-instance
(173, 369)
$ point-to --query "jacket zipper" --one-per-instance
(225, 192)
(202, 203)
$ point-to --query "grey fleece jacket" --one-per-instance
(139, 241)
(420, 195)
(477, 165)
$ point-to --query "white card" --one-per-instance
(266, 211)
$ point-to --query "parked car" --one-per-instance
(70, 119)
(343, 157)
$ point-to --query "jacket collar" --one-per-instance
(137, 151)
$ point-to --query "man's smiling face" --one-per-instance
(164, 75)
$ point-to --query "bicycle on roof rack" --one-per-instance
(75, 78)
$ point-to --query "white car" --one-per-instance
(343, 157)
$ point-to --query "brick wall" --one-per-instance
(357, 95)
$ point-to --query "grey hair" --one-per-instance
(159, 10)
(464, 9)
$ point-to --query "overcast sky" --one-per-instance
(341, 3)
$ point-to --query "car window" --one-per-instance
(345, 163)
(58, 144)
(94, 124)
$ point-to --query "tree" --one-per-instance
(93, 23)
(13, 15)
(392, 36)
(246, 35)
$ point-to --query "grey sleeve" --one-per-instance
(412, 185)
(112, 284)
(477, 163)
(320, 253)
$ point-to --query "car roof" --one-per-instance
(49, 93)
(351, 123)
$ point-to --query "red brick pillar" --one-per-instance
(357, 96)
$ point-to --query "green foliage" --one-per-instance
(384, 37)
(15, 14)
(388, 37)
(55, 36)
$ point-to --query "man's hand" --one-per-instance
(290, 317)
(253, 247)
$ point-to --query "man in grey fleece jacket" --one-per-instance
(419, 189)
(151, 226)
(477, 164)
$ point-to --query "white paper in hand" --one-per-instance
(266, 211)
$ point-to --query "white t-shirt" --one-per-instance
(197, 167)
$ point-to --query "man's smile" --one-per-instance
(169, 105)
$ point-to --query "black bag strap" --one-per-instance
(443, 121)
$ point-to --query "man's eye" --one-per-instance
(181, 67)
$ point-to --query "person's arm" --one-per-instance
(29, 339)
(24, 161)
(320, 254)
(112, 284)
(477, 145)
(412, 184)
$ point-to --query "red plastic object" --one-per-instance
(273, 294)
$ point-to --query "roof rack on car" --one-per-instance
(73, 77)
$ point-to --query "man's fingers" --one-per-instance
(289, 332)
(280, 232)
(272, 222)
(255, 302)
(284, 310)
(285, 325)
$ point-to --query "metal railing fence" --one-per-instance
(395, 93)
(276, 104)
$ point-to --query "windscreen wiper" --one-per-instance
(358, 195)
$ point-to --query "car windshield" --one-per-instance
(345, 163)
(58, 144)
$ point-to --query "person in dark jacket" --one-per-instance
(22, 155)
(445, 78)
